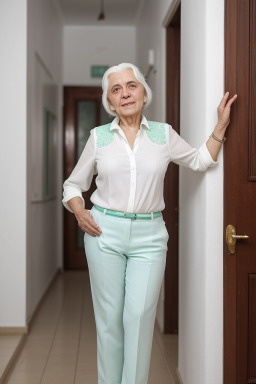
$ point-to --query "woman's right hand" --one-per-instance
(86, 222)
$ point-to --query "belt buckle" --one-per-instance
(128, 215)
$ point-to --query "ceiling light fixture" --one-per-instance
(102, 14)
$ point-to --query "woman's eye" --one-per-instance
(115, 89)
(132, 85)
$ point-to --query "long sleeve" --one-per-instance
(182, 153)
(81, 177)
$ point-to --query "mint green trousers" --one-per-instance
(126, 267)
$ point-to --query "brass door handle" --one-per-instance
(231, 238)
(240, 237)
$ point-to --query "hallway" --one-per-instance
(61, 345)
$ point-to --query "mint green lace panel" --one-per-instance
(156, 133)
(104, 135)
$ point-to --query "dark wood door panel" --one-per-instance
(240, 194)
(252, 92)
(251, 335)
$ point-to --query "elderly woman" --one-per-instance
(125, 235)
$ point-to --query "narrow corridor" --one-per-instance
(61, 345)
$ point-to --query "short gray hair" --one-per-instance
(118, 68)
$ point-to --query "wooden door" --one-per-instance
(83, 111)
(240, 194)
(171, 183)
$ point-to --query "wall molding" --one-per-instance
(52, 281)
(179, 376)
(23, 332)
(5, 374)
(170, 12)
(13, 330)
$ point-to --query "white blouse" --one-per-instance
(131, 180)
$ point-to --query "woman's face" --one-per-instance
(125, 93)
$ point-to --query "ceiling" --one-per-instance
(86, 12)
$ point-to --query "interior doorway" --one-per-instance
(83, 110)
(171, 185)
(239, 194)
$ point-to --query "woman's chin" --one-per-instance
(129, 112)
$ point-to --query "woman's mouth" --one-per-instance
(128, 104)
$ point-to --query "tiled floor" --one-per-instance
(61, 345)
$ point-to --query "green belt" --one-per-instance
(128, 215)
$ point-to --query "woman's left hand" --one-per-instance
(224, 110)
(220, 128)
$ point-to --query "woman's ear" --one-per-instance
(145, 96)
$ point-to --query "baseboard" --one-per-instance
(8, 368)
(33, 315)
(23, 331)
(179, 376)
(13, 330)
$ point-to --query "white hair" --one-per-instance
(118, 68)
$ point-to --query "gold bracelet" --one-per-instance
(219, 140)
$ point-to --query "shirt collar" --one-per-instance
(143, 124)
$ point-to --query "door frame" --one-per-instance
(230, 184)
(171, 185)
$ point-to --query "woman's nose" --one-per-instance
(125, 93)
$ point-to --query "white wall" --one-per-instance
(214, 183)
(151, 35)
(201, 215)
(44, 224)
(86, 46)
(13, 43)
(201, 210)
